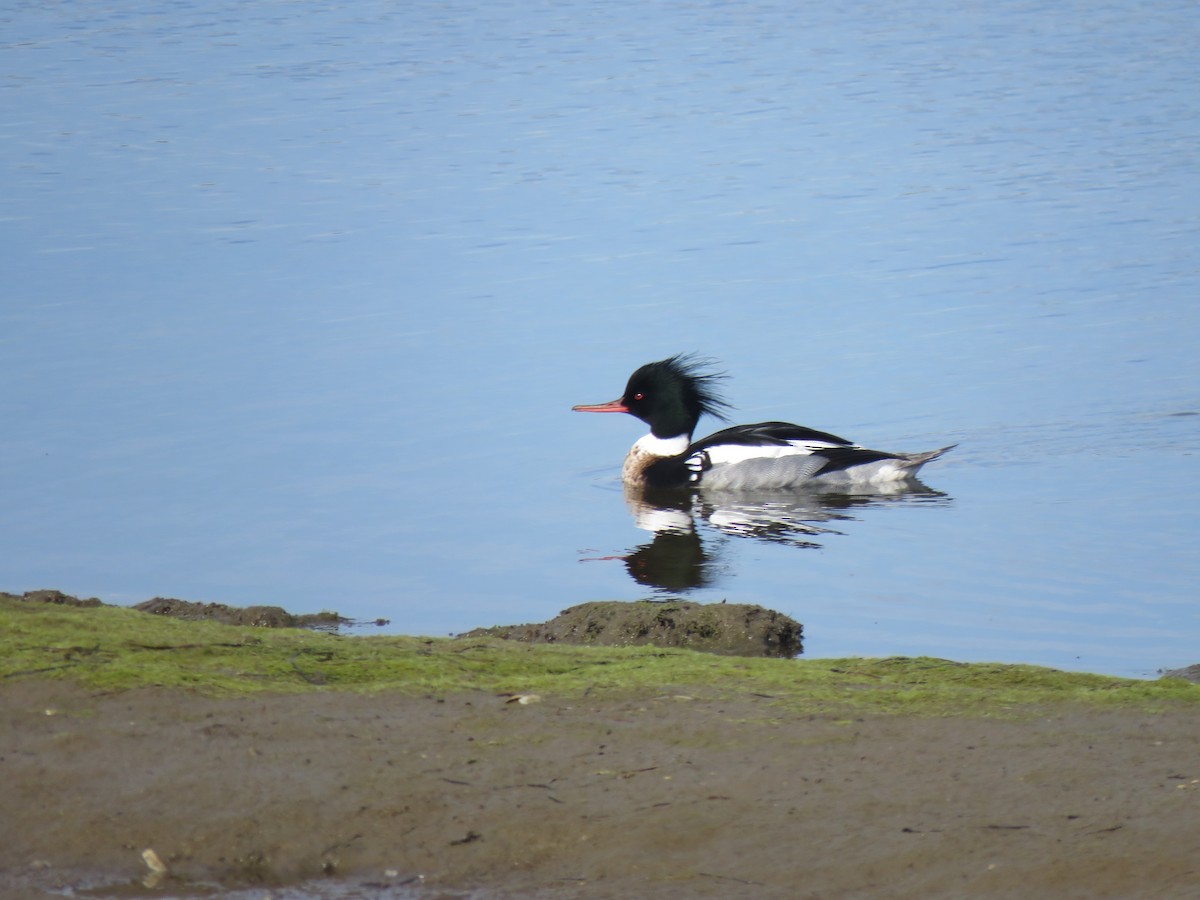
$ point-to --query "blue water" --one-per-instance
(297, 298)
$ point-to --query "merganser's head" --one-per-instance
(670, 396)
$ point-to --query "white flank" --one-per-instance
(731, 454)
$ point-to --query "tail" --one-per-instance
(912, 462)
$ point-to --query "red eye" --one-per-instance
(639, 396)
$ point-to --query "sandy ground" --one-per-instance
(660, 797)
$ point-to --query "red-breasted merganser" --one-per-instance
(671, 395)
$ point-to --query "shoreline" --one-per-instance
(329, 793)
(763, 632)
(331, 766)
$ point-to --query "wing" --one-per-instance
(769, 434)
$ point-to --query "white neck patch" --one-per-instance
(656, 446)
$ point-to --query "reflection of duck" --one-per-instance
(671, 395)
(679, 558)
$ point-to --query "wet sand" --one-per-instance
(662, 796)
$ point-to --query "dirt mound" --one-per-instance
(1189, 673)
(731, 629)
(56, 597)
(261, 616)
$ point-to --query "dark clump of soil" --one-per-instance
(261, 616)
(55, 597)
(730, 629)
(1189, 673)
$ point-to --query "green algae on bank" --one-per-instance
(115, 648)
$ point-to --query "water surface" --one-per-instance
(298, 297)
